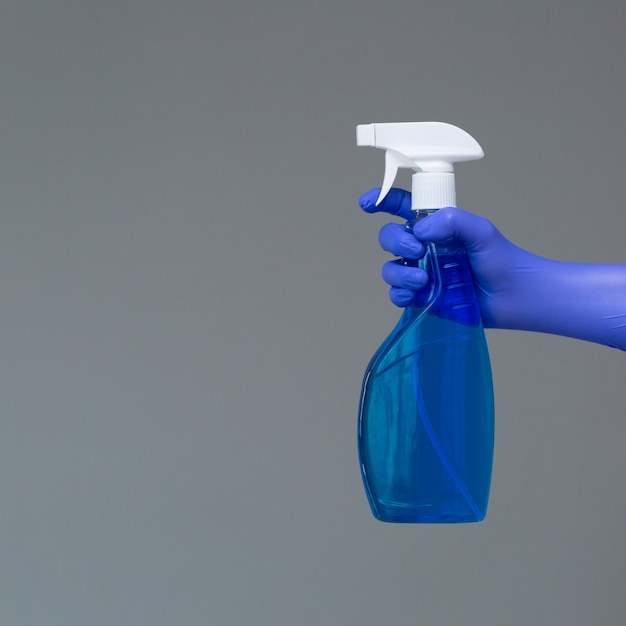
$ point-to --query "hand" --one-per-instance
(515, 289)
(492, 257)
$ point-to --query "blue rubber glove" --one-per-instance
(515, 289)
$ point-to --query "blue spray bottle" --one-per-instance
(426, 416)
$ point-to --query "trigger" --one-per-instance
(393, 161)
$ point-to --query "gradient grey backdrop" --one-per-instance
(190, 296)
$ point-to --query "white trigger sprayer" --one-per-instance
(429, 148)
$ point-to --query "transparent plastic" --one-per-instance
(426, 417)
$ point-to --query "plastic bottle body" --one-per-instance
(426, 417)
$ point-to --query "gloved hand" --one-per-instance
(515, 289)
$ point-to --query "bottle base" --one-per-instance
(399, 513)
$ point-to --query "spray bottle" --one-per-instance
(426, 416)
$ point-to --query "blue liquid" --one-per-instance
(426, 420)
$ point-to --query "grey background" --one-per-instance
(190, 296)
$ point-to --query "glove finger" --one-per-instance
(404, 297)
(398, 275)
(394, 238)
(401, 297)
(396, 202)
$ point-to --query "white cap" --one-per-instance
(430, 148)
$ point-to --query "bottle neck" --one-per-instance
(420, 214)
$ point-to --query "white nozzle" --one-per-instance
(429, 148)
